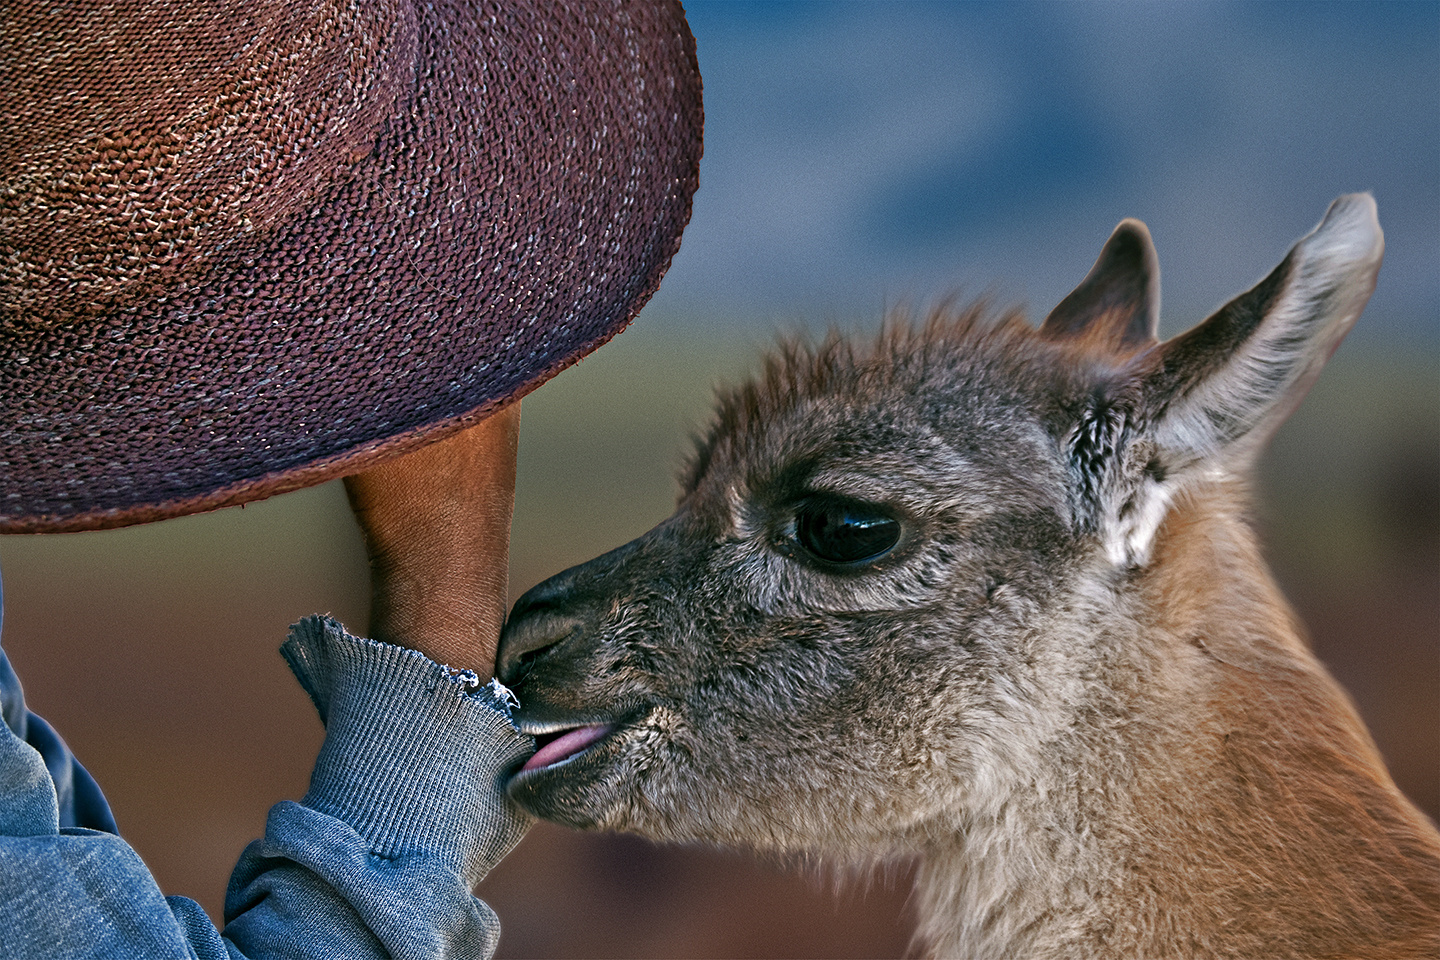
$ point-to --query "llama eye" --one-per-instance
(845, 532)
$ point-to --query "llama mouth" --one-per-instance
(557, 746)
(575, 775)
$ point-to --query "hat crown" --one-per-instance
(147, 137)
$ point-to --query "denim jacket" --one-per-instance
(406, 812)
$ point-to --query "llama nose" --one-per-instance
(537, 622)
(552, 610)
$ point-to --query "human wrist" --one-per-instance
(436, 524)
(416, 756)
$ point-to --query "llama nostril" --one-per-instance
(551, 611)
(537, 622)
(526, 637)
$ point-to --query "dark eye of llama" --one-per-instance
(845, 532)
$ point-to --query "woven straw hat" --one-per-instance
(252, 245)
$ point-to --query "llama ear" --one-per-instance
(1117, 306)
(1203, 404)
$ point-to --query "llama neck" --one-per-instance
(1215, 793)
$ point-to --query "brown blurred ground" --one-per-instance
(153, 649)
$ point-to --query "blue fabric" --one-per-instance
(406, 812)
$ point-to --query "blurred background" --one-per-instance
(857, 156)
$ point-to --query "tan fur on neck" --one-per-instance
(1237, 807)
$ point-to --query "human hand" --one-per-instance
(437, 528)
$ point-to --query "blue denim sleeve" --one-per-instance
(405, 813)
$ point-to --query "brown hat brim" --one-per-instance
(517, 207)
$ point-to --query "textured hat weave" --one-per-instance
(251, 246)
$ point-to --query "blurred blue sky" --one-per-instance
(862, 153)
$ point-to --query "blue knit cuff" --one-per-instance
(416, 756)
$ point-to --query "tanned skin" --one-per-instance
(437, 530)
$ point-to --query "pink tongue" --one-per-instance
(566, 745)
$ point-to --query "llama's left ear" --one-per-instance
(1203, 404)
(1116, 308)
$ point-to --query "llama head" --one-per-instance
(866, 621)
